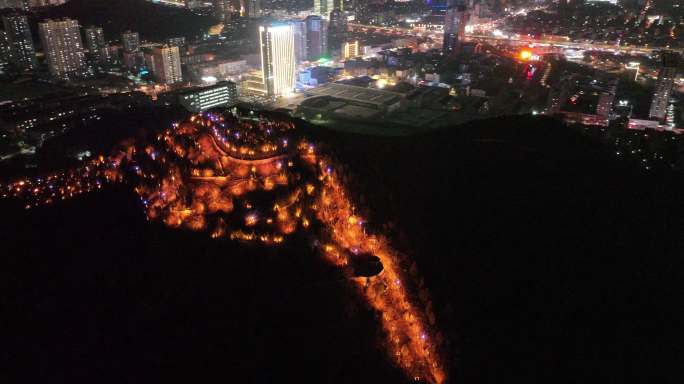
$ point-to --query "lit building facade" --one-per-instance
(664, 86)
(222, 94)
(165, 64)
(20, 41)
(278, 65)
(61, 40)
(5, 51)
(351, 49)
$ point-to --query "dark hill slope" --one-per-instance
(548, 259)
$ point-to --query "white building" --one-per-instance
(277, 58)
(165, 64)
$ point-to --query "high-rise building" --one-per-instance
(253, 8)
(95, 43)
(224, 10)
(61, 40)
(337, 29)
(20, 40)
(299, 31)
(277, 58)
(165, 64)
(323, 7)
(455, 22)
(130, 41)
(664, 85)
(176, 41)
(5, 51)
(351, 49)
(316, 37)
(221, 94)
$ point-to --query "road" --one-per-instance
(399, 32)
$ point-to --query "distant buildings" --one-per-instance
(253, 8)
(61, 40)
(95, 40)
(21, 42)
(217, 70)
(5, 51)
(316, 37)
(323, 7)
(300, 40)
(130, 41)
(224, 10)
(14, 4)
(95, 43)
(337, 30)
(132, 57)
(176, 41)
(277, 58)
(200, 99)
(164, 62)
(664, 86)
(455, 22)
(584, 101)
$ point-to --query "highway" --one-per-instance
(435, 35)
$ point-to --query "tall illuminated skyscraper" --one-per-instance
(277, 58)
(664, 85)
(21, 42)
(61, 40)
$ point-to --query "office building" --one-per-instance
(299, 30)
(164, 62)
(61, 40)
(21, 42)
(277, 58)
(130, 41)
(316, 37)
(223, 94)
(664, 85)
(455, 22)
